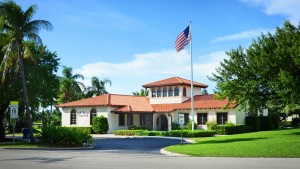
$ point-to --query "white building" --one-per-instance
(167, 99)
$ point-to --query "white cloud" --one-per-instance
(148, 67)
(245, 35)
(288, 8)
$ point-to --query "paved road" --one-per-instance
(134, 145)
(31, 159)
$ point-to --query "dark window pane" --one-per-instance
(158, 92)
(153, 92)
(222, 118)
(93, 114)
(165, 92)
(176, 91)
(170, 91)
(184, 91)
(121, 119)
(73, 117)
(202, 118)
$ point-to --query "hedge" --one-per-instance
(65, 136)
(230, 129)
(172, 133)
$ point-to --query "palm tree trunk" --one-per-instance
(22, 74)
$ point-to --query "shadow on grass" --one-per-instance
(229, 140)
(294, 133)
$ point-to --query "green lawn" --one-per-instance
(21, 145)
(279, 143)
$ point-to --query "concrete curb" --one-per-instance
(165, 152)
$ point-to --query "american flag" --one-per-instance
(183, 39)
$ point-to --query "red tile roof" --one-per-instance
(138, 104)
(173, 81)
(125, 102)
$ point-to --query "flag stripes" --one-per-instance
(182, 39)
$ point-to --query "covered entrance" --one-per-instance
(162, 123)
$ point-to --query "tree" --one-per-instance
(70, 89)
(204, 91)
(143, 92)
(19, 26)
(97, 88)
(267, 74)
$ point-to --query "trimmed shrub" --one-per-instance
(65, 136)
(254, 122)
(129, 132)
(175, 126)
(137, 128)
(295, 122)
(229, 129)
(172, 133)
(100, 125)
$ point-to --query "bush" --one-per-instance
(189, 125)
(189, 133)
(228, 129)
(65, 136)
(100, 125)
(212, 125)
(175, 126)
(172, 133)
(87, 130)
(137, 128)
(295, 122)
(254, 122)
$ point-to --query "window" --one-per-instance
(170, 92)
(93, 114)
(121, 119)
(222, 118)
(184, 91)
(186, 118)
(176, 91)
(154, 92)
(130, 119)
(165, 92)
(73, 117)
(142, 119)
(201, 118)
(158, 92)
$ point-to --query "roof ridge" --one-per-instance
(179, 79)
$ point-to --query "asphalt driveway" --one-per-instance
(144, 145)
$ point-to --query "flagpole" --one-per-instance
(192, 81)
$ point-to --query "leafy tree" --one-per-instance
(18, 25)
(70, 89)
(97, 88)
(267, 74)
(143, 92)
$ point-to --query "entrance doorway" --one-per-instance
(162, 123)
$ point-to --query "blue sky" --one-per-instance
(131, 42)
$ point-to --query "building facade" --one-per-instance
(167, 99)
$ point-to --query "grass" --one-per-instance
(22, 145)
(278, 143)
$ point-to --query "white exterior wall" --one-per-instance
(173, 99)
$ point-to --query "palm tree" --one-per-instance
(143, 92)
(70, 89)
(19, 26)
(98, 87)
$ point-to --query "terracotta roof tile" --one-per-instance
(174, 81)
(125, 102)
(138, 104)
(200, 102)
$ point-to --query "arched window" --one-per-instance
(93, 113)
(73, 117)
(170, 92)
(153, 92)
(176, 91)
(165, 92)
(184, 91)
(158, 92)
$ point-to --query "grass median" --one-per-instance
(279, 143)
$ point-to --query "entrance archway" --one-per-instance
(162, 123)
